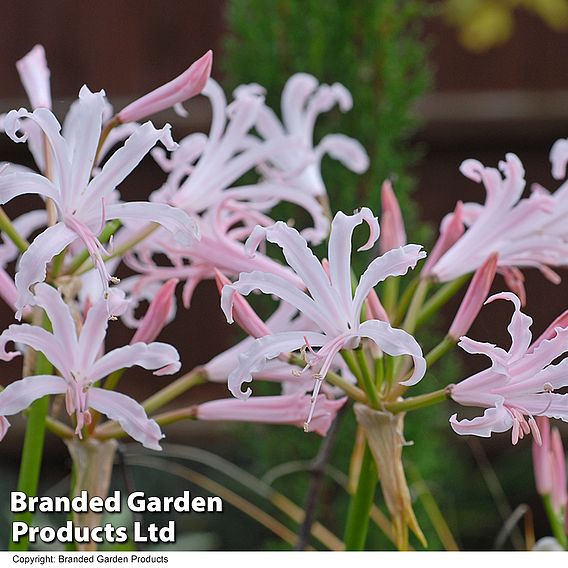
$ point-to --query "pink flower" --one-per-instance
(518, 230)
(34, 74)
(83, 205)
(330, 304)
(284, 409)
(393, 234)
(303, 100)
(203, 170)
(550, 466)
(160, 312)
(451, 229)
(219, 248)
(80, 363)
(520, 383)
(474, 298)
(187, 85)
(247, 319)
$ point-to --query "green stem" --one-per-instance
(110, 229)
(357, 524)
(421, 401)
(413, 312)
(58, 428)
(113, 379)
(390, 297)
(334, 379)
(367, 379)
(440, 350)
(405, 300)
(349, 358)
(32, 451)
(556, 521)
(10, 231)
(441, 298)
(114, 430)
(379, 372)
(196, 377)
(123, 248)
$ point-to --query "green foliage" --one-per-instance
(372, 47)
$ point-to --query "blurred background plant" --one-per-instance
(484, 24)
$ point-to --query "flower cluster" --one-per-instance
(329, 340)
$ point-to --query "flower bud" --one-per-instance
(242, 312)
(474, 298)
(157, 315)
(549, 464)
(393, 234)
(190, 83)
(375, 309)
(34, 74)
(282, 409)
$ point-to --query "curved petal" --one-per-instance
(82, 137)
(496, 419)
(19, 395)
(47, 122)
(38, 339)
(255, 357)
(182, 226)
(395, 262)
(124, 160)
(339, 252)
(276, 285)
(559, 158)
(499, 357)
(129, 414)
(294, 97)
(94, 330)
(57, 310)
(395, 342)
(347, 150)
(33, 263)
(160, 356)
(301, 259)
(519, 328)
(23, 183)
(553, 405)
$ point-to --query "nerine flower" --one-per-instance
(219, 247)
(203, 170)
(83, 204)
(303, 100)
(516, 229)
(79, 360)
(329, 302)
(521, 381)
